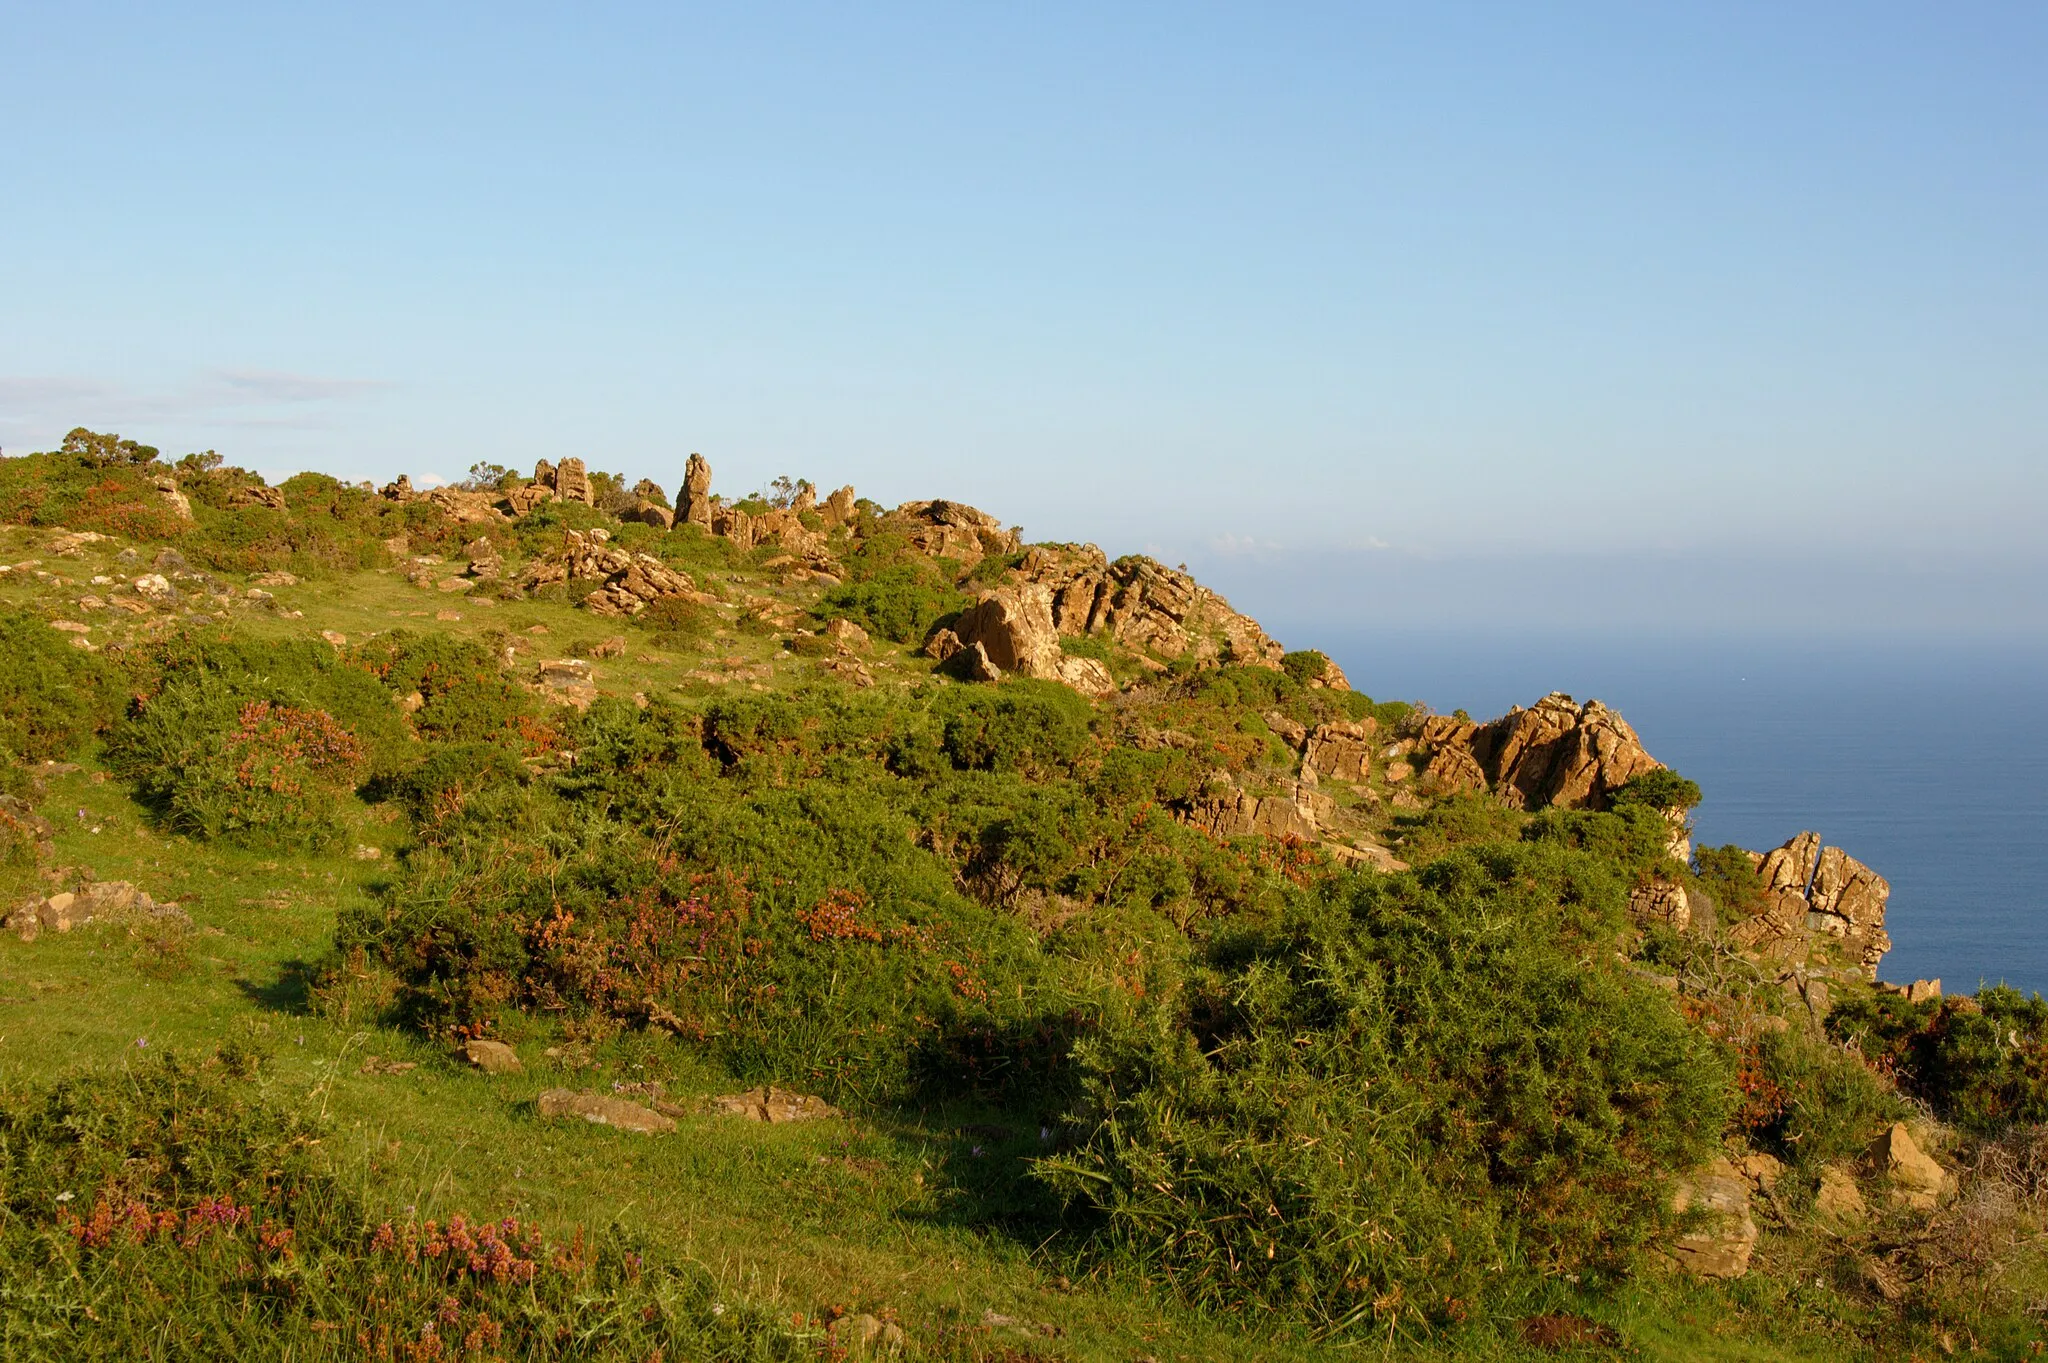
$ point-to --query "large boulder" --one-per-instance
(1340, 752)
(1014, 627)
(572, 482)
(1724, 1235)
(1915, 1177)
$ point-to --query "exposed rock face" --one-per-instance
(1556, 752)
(632, 582)
(1144, 605)
(1661, 901)
(1817, 893)
(605, 1111)
(1087, 676)
(954, 530)
(399, 490)
(257, 496)
(1839, 1199)
(1721, 1248)
(1299, 812)
(522, 501)
(467, 508)
(567, 681)
(942, 645)
(572, 482)
(847, 636)
(839, 508)
(693, 502)
(1014, 627)
(1340, 752)
(168, 492)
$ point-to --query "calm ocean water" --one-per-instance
(1927, 760)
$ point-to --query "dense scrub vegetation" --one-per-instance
(1259, 1074)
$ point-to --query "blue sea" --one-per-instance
(1928, 760)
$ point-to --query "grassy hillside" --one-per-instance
(1217, 1014)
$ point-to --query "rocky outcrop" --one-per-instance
(1297, 812)
(467, 508)
(838, 509)
(693, 501)
(257, 496)
(1014, 627)
(955, 530)
(1143, 605)
(1557, 752)
(1817, 896)
(171, 495)
(631, 582)
(1661, 902)
(1339, 752)
(572, 482)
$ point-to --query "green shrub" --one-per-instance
(1019, 725)
(1410, 1092)
(1729, 877)
(901, 604)
(465, 694)
(1304, 664)
(51, 696)
(1981, 1062)
(164, 1209)
(1659, 788)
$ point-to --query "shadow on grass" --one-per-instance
(291, 991)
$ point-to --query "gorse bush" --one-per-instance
(1981, 1062)
(167, 1210)
(51, 695)
(1405, 1088)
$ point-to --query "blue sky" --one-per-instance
(1727, 314)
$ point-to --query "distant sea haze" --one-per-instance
(1925, 758)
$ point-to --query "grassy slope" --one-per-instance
(863, 1214)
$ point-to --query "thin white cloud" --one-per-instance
(275, 386)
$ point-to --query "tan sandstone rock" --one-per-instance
(771, 1104)
(1013, 626)
(693, 502)
(1915, 1177)
(492, 1057)
(1721, 1247)
(1839, 1199)
(604, 1110)
(1661, 901)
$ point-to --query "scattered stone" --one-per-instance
(1763, 1171)
(1919, 991)
(493, 1057)
(604, 1111)
(70, 627)
(275, 580)
(847, 636)
(335, 637)
(103, 903)
(869, 1336)
(451, 617)
(567, 681)
(156, 587)
(1916, 1178)
(942, 645)
(376, 1064)
(1720, 1249)
(455, 584)
(1839, 1199)
(364, 852)
(614, 647)
(770, 1104)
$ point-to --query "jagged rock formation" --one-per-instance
(1817, 895)
(693, 501)
(839, 508)
(1338, 751)
(1722, 1247)
(572, 482)
(1143, 605)
(1297, 812)
(1012, 626)
(953, 530)
(1557, 752)
(632, 582)
(257, 496)
(103, 903)
(1661, 901)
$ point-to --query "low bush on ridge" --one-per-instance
(167, 1210)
